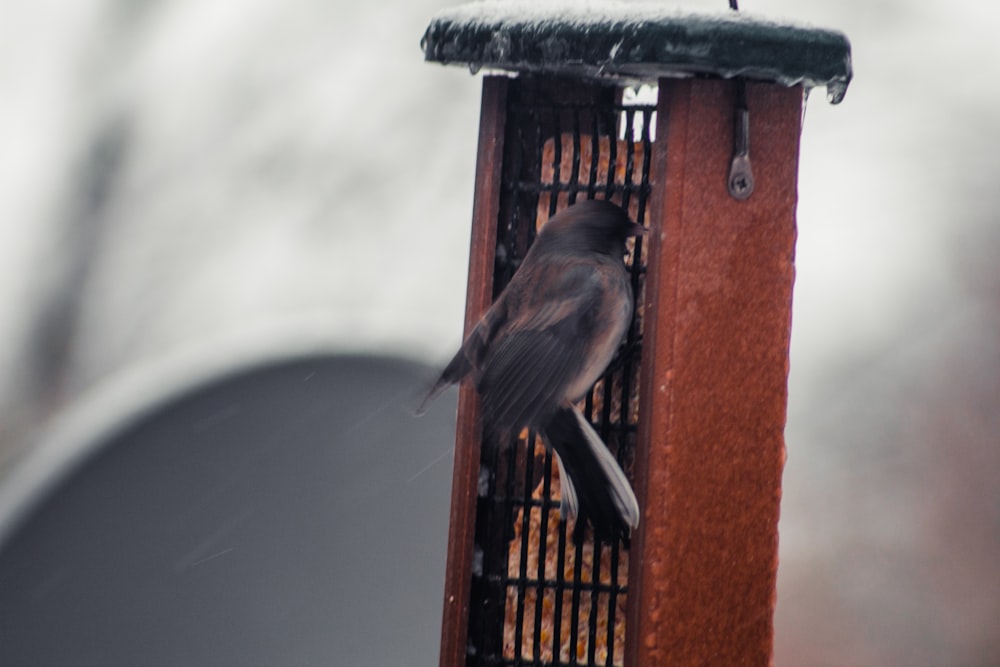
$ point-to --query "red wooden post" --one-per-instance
(714, 380)
(479, 297)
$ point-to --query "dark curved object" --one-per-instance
(290, 514)
(638, 43)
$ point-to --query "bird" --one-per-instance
(543, 343)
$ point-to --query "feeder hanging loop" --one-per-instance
(740, 170)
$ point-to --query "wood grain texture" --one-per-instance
(714, 380)
(479, 297)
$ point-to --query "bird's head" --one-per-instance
(589, 226)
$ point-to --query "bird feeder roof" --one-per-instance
(636, 43)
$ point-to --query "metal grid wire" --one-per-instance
(539, 597)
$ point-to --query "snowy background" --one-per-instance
(182, 178)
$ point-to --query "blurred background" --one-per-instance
(195, 187)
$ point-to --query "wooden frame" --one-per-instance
(479, 297)
(713, 390)
(713, 384)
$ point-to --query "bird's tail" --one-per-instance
(593, 484)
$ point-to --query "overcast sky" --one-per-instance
(189, 177)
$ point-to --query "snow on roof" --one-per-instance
(636, 42)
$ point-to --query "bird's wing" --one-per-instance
(540, 351)
(470, 356)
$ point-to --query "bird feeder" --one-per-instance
(691, 123)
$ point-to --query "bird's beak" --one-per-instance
(637, 229)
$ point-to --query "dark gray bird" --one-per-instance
(546, 340)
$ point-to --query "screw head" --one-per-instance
(740, 178)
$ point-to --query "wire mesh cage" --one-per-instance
(539, 596)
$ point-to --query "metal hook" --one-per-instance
(740, 180)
